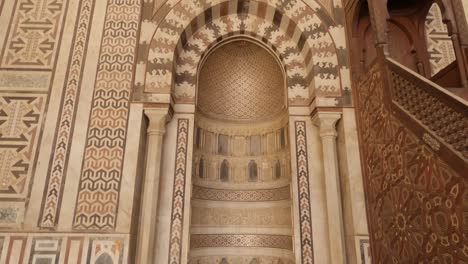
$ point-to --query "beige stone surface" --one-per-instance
(317, 192)
(82, 117)
(146, 204)
(354, 210)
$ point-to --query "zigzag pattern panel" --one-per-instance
(98, 193)
(303, 185)
(64, 132)
(33, 37)
(178, 196)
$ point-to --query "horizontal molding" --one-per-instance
(285, 182)
(283, 193)
(256, 252)
(240, 205)
(232, 230)
(241, 240)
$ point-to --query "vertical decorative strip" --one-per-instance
(99, 187)
(64, 131)
(305, 219)
(178, 196)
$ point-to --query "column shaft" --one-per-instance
(328, 134)
(149, 201)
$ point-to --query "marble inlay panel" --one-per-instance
(270, 217)
(241, 240)
(34, 34)
(283, 193)
(21, 118)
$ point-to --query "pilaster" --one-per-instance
(326, 121)
(146, 234)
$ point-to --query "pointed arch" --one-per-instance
(201, 168)
(255, 145)
(282, 139)
(254, 261)
(277, 170)
(224, 171)
(199, 137)
(104, 259)
(223, 144)
(253, 171)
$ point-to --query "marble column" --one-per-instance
(326, 121)
(149, 202)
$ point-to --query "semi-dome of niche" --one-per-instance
(241, 81)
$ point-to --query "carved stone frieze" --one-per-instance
(278, 194)
(270, 217)
(241, 240)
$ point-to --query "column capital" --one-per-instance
(326, 121)
(157, 120)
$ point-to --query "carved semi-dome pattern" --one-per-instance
(240, 81)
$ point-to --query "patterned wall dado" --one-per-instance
(416, 202)
(224, 240)
(279, 194)
(271, 217)
(62, 248)
(178, 196)
(439, 43)
(45, 249)
(64, 131)
(303, 185)
(34, 34)
(99, 186)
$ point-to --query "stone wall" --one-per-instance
(66, 71)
